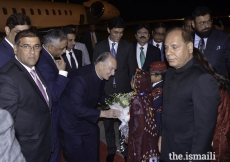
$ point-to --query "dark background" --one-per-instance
(163, 9)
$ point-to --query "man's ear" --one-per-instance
(7, 30)
(190, 47)
(193, 24)
(136, 36)
(108, 30)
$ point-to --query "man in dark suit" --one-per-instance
(24, 93)
(72, 57)
(145, 53)
(190, 102)
(55, 77)
(14, 24)
(158, 34)
(90, 39)
(214, 44)
(78, 108)
(120, 83)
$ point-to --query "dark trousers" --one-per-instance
(56, 155)
(83, 148)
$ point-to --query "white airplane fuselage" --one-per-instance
(45, 14)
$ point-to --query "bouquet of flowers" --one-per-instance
(122, 103)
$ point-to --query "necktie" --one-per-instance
(39, 84)
(113, 52)
(201, 45)
(73, 63)
(142, 57)
(93, 40)
(157, 45)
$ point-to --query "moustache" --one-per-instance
(142, 37)
(206, 29)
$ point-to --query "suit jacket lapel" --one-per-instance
(78, 57)
(30, 79)
(68, 67)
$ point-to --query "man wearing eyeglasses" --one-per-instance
(145, 53)
(158, 33)
(14, 24)
(214, 44)
(24, 94)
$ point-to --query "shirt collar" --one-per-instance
(48, 52)
(145, 46)
(9, 42)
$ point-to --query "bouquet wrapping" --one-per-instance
(122, 103)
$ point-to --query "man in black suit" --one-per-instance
(120, 83)
(79, 114)
(190, 103)
(145, 53)
(214, 44)
(24, 93)
(90, 39)
(158, 33)
(72, 57)
(14, 24)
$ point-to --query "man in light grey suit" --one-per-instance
(9, 146)
(85, 54)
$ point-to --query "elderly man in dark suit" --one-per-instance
(14, 24)
(79, 114)
(214, 44)
(24, 93)
(72, 57)
(190, 102)
(126, 66)
(145, 53)
(55, 77)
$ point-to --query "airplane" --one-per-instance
(47, 14)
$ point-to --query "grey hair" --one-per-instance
(54, 36)
(103, 57)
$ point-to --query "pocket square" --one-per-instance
(218, 48)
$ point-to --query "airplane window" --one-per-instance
(39, 12)
(54, 13)
(14, 10)
(70, 12)
(65, 12)
(4, 10)
(59, 12)
(31, 11)
(47, 12)
(23, 11)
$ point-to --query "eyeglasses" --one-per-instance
(160, 34)
(202, 23)
(26, 47)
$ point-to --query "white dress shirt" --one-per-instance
(110, 45)
(155, 44)
(197, 39)
(94, 35)
(29, 70)
(68, 57)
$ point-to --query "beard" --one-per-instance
(204, 34)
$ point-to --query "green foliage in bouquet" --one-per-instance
(123, 99)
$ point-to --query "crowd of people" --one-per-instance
(51, 91)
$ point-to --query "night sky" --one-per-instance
(133, 10)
